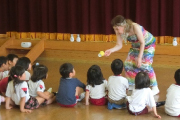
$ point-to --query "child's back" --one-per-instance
(96, 86)
(21, 91)
(67, 90)
(98, 91)
(140, 98)
(172, 105)
(117, 86)
(36, 86)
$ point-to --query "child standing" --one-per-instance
(26, 64)
(69, 88)
(141, 101)
(36, 84)
(117, 86)
(18, 93)
(96, 86)
(172, 105)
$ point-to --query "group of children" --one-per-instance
(20, 88)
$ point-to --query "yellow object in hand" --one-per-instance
(101, 53)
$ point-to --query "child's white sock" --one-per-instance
(82, 96)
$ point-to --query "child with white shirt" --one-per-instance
(96, 86)
(11, 60)
(3, 67)
(36, 84)
(26, 63)
(172, 105)
(141, 101)
(17, 92)
(117, 86)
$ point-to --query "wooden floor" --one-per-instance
(164, 66)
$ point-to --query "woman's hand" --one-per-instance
(107, 52)
(138, 62)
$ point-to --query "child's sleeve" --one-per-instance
(87, 88)
(127, 84)
(41, 87)
(24, 89)
(80, 84)
(151, 102)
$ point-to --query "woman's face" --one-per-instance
(118, 29)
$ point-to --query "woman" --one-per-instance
(140, 56)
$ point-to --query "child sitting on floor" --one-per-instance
(142, 100)
(172, 105)
(26, 64)
(117, 86)
(17, 92)
(69, 88)
(96, 86)
(3, 67)
(11, 59)
(36, 84)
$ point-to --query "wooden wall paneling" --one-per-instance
(36, 51)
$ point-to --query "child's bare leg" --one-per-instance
(51, 100)
(51, 95)
(40, 99)
(47, 93)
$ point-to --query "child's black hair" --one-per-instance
(39, 73)
(3, 60)
(35, 65)
(177, 76)
(94, 76)
(142, 80)
(14, 74)
(117, 66)
(24, 62)
(65, 69)
(11, 57)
